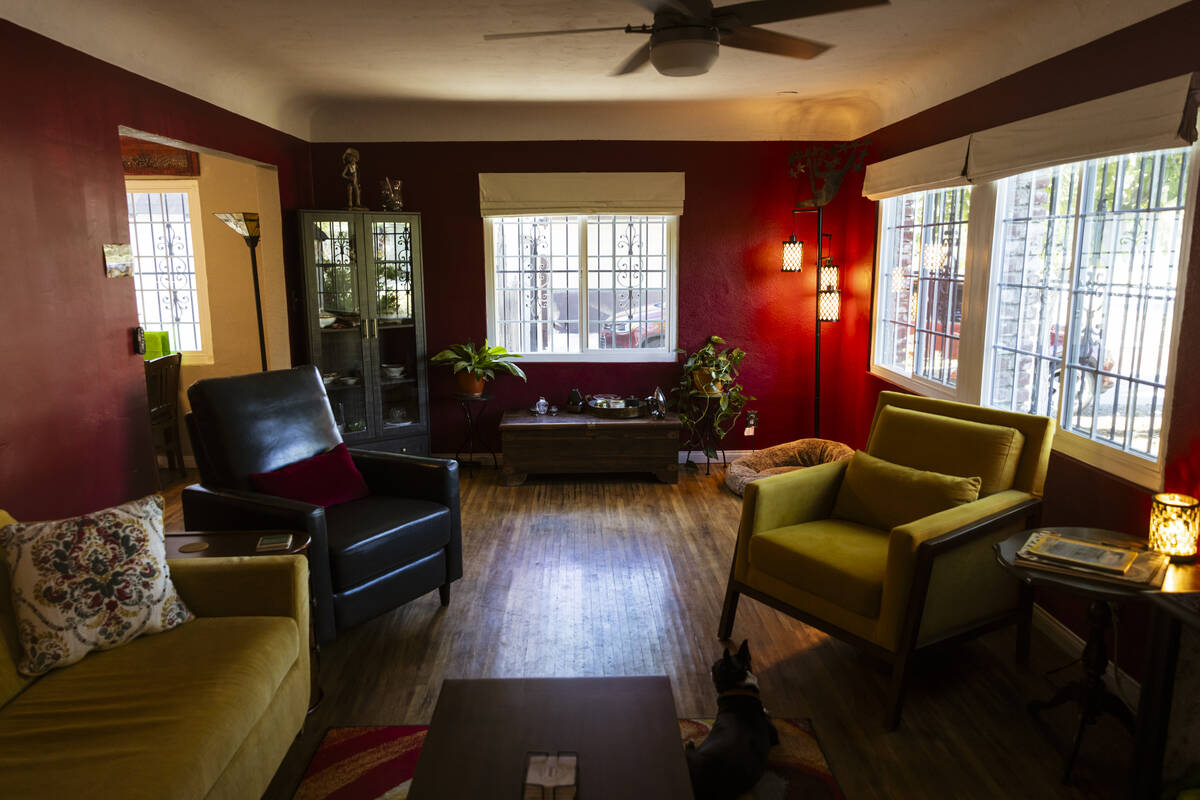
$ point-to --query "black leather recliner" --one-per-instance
(367, 556)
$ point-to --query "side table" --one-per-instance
(1090, 692)
(473, 417)
(230, 544)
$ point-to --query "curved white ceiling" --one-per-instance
(403, 70)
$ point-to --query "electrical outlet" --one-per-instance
(751, 422)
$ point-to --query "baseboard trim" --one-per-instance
(696, 456)
(730, 456)
(1119, 681)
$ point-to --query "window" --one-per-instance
(1084, 295)
(598, 287)
(168, 264)
(1070, 311)
(922, 257)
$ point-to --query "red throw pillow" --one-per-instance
(326, 479)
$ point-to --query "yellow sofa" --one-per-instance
(207, 710)
(894, 589)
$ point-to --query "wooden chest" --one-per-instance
(572, 443)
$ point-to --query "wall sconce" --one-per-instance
(793, 251)
(1174, 525)
(829, 292)
(246, 224)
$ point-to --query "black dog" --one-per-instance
(733, 757)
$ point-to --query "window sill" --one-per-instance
(1135, 469)
(916, 385)
(634, 356)
(197, 358)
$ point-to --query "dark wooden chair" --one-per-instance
(162, 390)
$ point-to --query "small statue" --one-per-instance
(390, 190)
(350, 173)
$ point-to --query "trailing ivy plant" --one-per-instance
(708, 398)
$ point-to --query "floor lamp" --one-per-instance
(246, 224)
(829, 295)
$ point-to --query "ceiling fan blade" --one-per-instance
(762, 12)
(762, 40)
(491, 37)
(701, 9)
(638, 59)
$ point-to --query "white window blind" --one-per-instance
(1155, 117)
(520, 194)
(940, 166)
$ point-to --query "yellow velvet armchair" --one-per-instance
(803, 549)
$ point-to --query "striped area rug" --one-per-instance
(378, 763)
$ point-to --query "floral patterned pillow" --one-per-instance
(93, 582)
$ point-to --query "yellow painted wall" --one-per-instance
(230, 185)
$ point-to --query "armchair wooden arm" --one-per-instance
(914, 549)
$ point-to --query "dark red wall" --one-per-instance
(736, 214)
(74, 434)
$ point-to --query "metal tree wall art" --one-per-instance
(826, 166)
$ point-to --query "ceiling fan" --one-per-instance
(686, 34)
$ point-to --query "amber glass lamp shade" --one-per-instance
(793, 255)
(1174, 524)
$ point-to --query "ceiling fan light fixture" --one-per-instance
(682, 52)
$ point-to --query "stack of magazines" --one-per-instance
(1126, 565)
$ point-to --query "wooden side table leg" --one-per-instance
(1154, 706)
(1024, 624)
(315, 694)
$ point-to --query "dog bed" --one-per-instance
(783, 458)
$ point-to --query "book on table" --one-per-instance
(273, 543)
(1077, 552)
(1119, 564)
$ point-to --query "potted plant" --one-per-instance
(475, 366)
(708, 398)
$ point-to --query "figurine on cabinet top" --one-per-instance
(392, 199)
(350, 173)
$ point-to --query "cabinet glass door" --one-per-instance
(341, 333)
(399, 407)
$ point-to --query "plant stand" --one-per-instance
(704, 439)
(474, 436)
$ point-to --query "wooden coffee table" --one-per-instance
(624, 730)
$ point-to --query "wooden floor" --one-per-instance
(624, 576)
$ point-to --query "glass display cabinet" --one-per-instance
(366, 324)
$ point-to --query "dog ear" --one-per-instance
(743, 653)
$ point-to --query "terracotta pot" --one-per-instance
(468, 384)
(704, 383)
